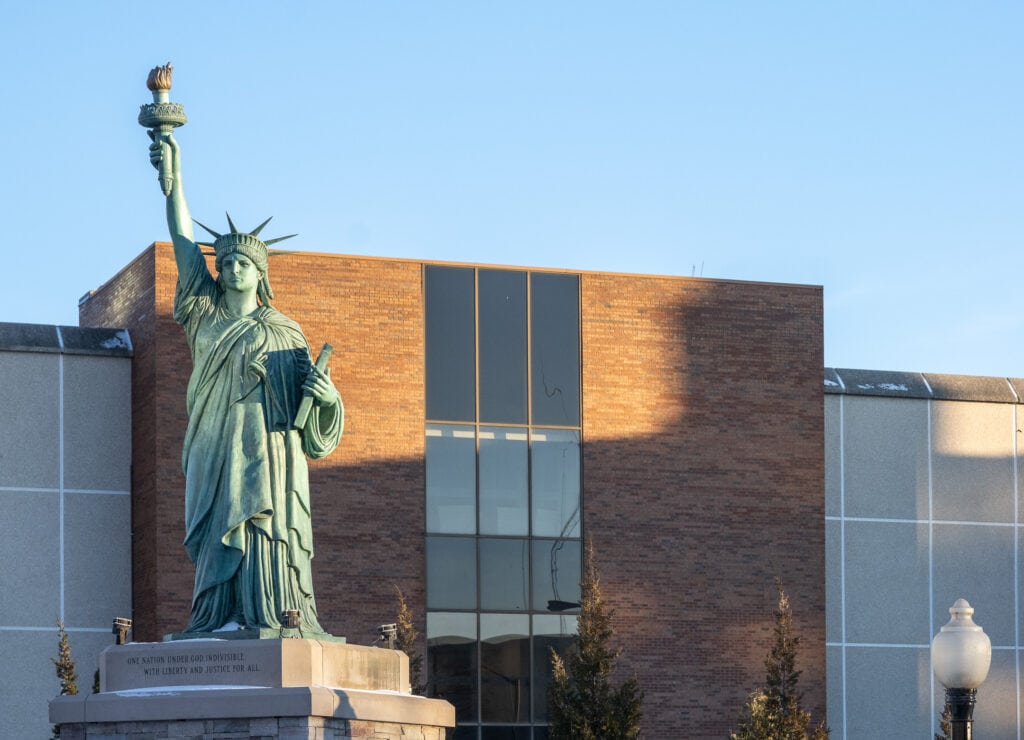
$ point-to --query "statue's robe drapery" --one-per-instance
(247, 514)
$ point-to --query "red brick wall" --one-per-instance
(704, 480)
(703, 464)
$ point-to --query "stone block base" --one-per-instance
(232, 689)
(263, 728)
(290, 713)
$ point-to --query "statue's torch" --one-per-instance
(161, 116)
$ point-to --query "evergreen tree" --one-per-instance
(774, 712)
(407, 639)
(584, 705)
(65, 666)
(945, 724)
(64, 663)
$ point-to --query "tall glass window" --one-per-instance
(549, 632)
(501, 298)
(451, 333)
(555, 349)
(555, 483)
(505, 668)
(503, 472)
(451, 479)
(451, 573)
(504, 574)
(504, 489)
(452, 671)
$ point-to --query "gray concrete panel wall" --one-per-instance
(65, 456)
(922, 501)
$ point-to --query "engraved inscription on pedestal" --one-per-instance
(222, 663)
(264, 663)
(188, 664)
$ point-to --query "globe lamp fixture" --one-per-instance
(961, 656)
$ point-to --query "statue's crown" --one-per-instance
(246, 243)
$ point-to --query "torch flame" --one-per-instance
(160, 78)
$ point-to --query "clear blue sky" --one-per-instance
(874, 148)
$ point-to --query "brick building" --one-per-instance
(689, 447)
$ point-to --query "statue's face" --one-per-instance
(238, 273)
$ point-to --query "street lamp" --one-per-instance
(961, 655)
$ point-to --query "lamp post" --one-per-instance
(961, 655)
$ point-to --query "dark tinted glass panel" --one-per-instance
(505, 733)
(555, 471)
(504, 575)
(450, 331)
(555, 319)
(549, 631)
(451, 479)
(451, 573)
(464, 732)
(504, 494)
(504, 668)
(540, 733)
(451, 660)
(556, 575)
(502, 346)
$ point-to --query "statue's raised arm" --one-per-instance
(165, 155)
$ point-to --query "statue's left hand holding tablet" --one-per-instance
(319, 385)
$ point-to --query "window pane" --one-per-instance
(505, 733)
(555, 471)
(502, 346)
(555, 323)
(549, 631)
(504, 575)
(451, 479)
(451, 573)
(504, 668)
(451, 660)
(450, 343)
(504, 495)
(556, 575)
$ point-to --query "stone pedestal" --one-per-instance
(219, 689)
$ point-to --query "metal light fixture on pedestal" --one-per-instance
(961, 656)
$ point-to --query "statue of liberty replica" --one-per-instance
(257, 407)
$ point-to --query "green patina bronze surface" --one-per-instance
(161, 116)
(247, 498)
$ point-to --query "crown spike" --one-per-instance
(211, 231)
(234, 229)
(268, 242)
(258, 229)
